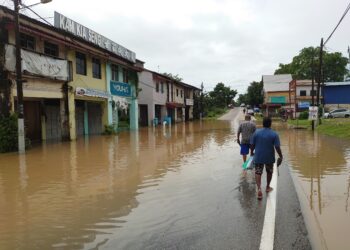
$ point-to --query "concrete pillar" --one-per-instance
(151, 113)
(43, 128)
(183, 114)
(134, 110)
(64, 119)
(86, 119)
(71, 117)
(115, 118)
(175, 115)
(108, 87)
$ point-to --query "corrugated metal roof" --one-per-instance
(283, 78)
(336, 83)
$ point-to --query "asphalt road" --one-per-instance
(290, 230)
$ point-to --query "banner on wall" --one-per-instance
(37, 64)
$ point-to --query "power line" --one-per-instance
(341, 19)
(40, 17)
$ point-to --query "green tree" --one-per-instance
(334, 65)
(255, 95)
(222, 96)
(242, 98)
(174, 77)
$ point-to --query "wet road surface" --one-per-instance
(164, 188)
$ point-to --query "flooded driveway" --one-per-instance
(321, 169)
(178, 187)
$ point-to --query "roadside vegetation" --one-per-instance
(214, 103)
(338, 127)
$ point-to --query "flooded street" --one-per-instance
(321, 170)
(165, 188)
(153, 188)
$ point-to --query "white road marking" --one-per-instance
(268, 232)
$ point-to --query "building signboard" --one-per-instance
(120, 89)
(303, 105)
(278, 99)
(82, 32)
(313, 113)
(91, 92)
(189, 102)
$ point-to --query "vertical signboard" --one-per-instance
(313, 113)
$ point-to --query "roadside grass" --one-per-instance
(300, 123)
(338, 127)
(215, 113)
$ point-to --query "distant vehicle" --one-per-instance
(242, 105)
(256, 110)
(250, 112)
(337, 113)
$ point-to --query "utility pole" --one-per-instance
(320, 76)
(312, 90)
(201, 102)
(319, 73)
(20, 112)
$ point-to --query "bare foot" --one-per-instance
(260, 195)
(269, 189)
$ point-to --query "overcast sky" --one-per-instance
(211, 41)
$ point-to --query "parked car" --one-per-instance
(250, 112)
(337, 113)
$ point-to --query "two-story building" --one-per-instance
(45, 76)
(301, 95)
(276, 93)
(162, 98)
(104, 79)
(76, 81)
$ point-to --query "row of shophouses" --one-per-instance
(76, 81)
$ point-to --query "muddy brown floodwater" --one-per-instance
(116, 192)
(321, 170)
(178, 186)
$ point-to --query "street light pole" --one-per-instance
(20, 112)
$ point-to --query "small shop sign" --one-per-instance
(303, 105)
(189, 102)
(91, 92)
(313, 113)
(120, 89)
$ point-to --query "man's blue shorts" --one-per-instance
(244, 149)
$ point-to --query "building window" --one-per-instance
(96, 68)
(27, 41)
(313, 92)
(80, 60)
(177, 92)
(181, 93)
(115, 72)
(162, 87)
(51, 49)
(302, 92)
(157, 87)
(125, 76)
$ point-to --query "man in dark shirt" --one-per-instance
(265, 141)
